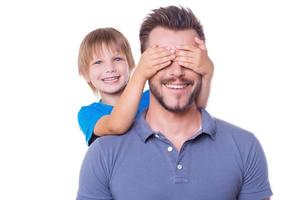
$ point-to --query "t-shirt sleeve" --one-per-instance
(144, 103)
(88, 117)
(94, 176)
(255, 181)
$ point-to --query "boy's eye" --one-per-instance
(118, 59)
(97, 62)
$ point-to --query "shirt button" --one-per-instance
(170, 149)
(179, 166)
(156, 135)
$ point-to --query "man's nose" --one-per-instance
(176, 70)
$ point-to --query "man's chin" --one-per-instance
(175, 108)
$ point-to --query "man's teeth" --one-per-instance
(177, 86)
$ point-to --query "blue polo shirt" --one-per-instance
(220, 162)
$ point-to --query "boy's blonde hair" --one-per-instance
(94, 42)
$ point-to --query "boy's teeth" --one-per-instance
(111, 78)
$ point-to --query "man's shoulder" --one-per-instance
(234, 134)
(115, 141)
(224, 128)
(229, 128)
(115, 138)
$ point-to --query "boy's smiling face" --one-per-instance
(109, 71)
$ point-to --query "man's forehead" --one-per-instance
(165, 37)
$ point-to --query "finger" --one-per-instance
(193, 62)
(163, 59)
(162, 65)
(191, 66)
(197, 55)
(183, 53)
(186, 47)
(200, 43)
(184, 59)
(162, 53)
(186, 64)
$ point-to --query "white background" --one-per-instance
(254, 45)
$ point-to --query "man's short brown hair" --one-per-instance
(171, 17)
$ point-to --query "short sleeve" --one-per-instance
(88, 117)
(255, 180)
(144, 103)
(94, 178)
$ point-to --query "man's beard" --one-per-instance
(177, 109)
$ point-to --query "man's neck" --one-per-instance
(177, 127)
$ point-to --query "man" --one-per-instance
(175, 151)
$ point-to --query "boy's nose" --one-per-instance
(110, 68)
(110, 71)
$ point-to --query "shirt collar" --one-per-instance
(142, 128)
(208, 126)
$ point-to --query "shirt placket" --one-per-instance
(175, 159)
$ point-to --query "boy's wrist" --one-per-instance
(137, 78)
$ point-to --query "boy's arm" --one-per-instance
(123, 113)
(202, 99)
(196, 59)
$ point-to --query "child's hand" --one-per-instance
(195, 58)
(154, 59)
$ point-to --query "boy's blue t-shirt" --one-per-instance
(89, 115)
